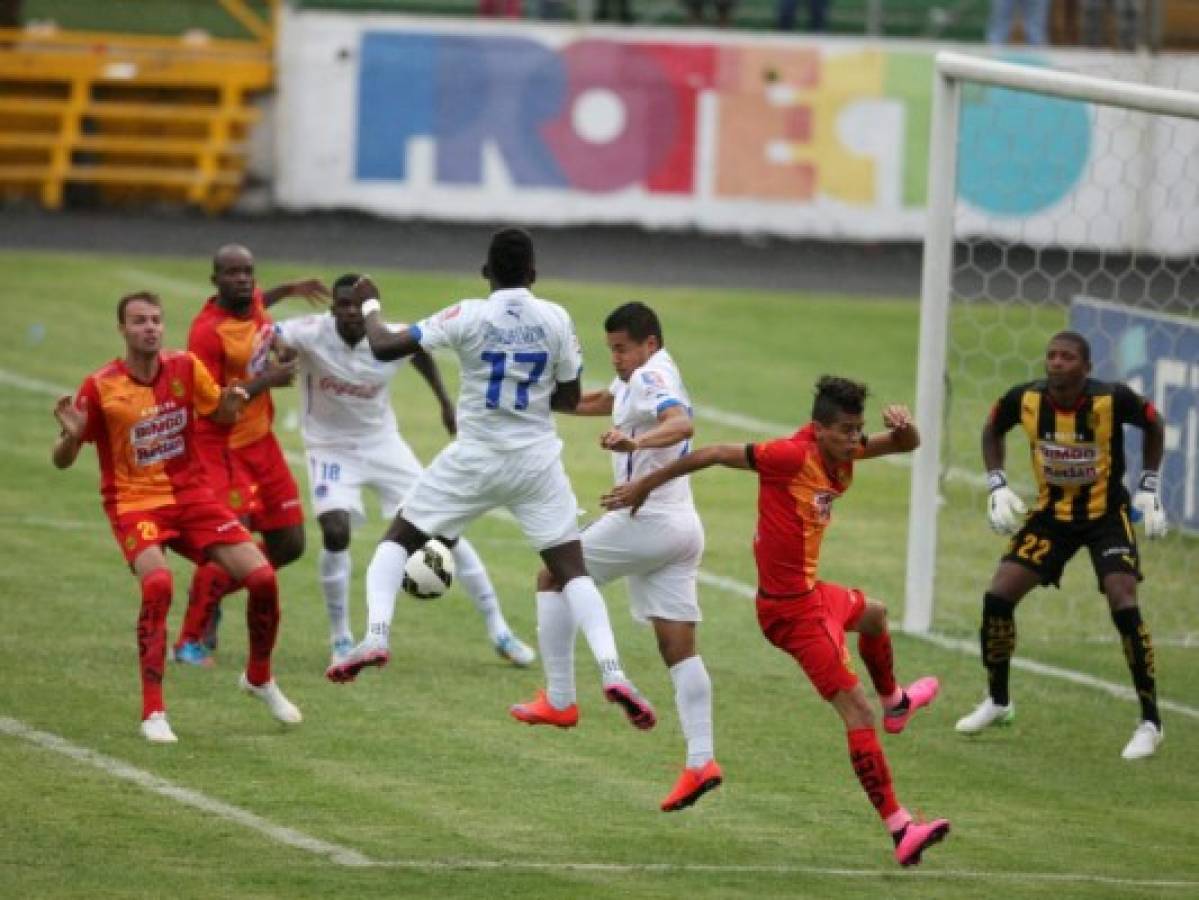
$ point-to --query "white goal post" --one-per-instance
(954, 72)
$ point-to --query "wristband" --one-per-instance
(370, 306)
(1150, 481)
(996, 480)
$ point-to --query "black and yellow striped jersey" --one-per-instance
(1077, 454)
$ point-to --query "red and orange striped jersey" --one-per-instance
(235, 349)
(796, 490)
(144, 432)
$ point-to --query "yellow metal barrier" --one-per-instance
(159, 117)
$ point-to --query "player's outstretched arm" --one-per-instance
(311, 289)
(73, 421)
(424, 363)
(901, 435)
(674, 426)
(594, 403)
(633, 494)
(385, 344)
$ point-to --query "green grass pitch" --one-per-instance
(419, 763)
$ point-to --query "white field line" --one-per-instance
(118, 769)
(350, 858)
(743, 590)
(156, 282)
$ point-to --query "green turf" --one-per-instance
(420, 763)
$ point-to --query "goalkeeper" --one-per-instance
(1075, 427)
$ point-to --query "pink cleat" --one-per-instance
(919, 693)
(359, 658)
(917, 837)
(637, 708)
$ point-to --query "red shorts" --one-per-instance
(274, 499)
(187, 528)
(812, 629)
(254, 481)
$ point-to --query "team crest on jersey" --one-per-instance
(823, 502)
(653, 379)
(177, 388)
(451, 313)
(235, 500)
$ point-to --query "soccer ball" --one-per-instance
(429, 571)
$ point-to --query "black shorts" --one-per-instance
(1045, 544)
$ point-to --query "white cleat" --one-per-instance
(1144, 742)
(157, 730)
(281, 708)
(985, 715)
(516, 651)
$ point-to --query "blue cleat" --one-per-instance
(516, 651)
(192, 653)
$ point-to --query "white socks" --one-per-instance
(384, 578)
(556, 638)
(472, 575)
(591, 617)
(335, 585)
(693, 697)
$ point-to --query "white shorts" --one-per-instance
(657, 554)
(465, 481)
(336, 476)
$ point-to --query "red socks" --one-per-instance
(210, 585)
(870, 765)
(262, 620)
(152, 637)
(880, 662)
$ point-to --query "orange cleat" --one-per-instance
(692, 785)
(539, 711)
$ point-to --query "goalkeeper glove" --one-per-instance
(1004, 507)
(1147, 506)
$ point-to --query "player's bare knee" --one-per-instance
(547, 582)
(335, 531)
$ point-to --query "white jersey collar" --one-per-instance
(510, 293)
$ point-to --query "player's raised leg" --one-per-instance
(384, 578)
(874, 645)
(472, 575)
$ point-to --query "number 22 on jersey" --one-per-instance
(535, 360)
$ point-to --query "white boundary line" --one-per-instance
(743, 590)
(350, 858)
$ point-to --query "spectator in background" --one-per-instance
(1034, 18)
(551, 9)
(1128, 22)
(506, 9)
(817, 14)
(724, 11)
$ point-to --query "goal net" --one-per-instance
(1057, 200)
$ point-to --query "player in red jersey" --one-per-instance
(140, 412)
(232, 336)
(799, 477)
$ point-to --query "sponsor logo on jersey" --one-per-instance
(159, 451)
(263, 338)
(339, 388)
(822, 502)
(653, 379)
(1068, 464)
(159, 437)
(451, 313)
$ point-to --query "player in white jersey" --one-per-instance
(520, 360)
(352, 441)
(658, 552)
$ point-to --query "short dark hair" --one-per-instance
(637, 320)
(510, 257)
(838, 395)
(1083, 345)
(143, 296)
(347, 280)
